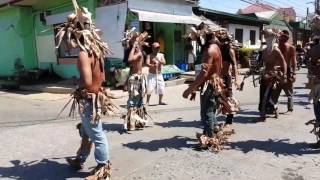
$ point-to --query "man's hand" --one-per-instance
(238, 84)
(193, 96)
(186, 93)
(294, 78)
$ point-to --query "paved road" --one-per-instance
(34, 145)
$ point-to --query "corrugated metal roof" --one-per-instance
(5, 1)
(234, 16)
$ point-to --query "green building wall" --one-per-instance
(17, 39)
(174, 50)
(63, 70)
(19, 28)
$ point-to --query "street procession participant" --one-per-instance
(275, 70)
(288, 52)
(229, 63)
(212, 93)
(136, 116)
(92, 100)
(155, 61)
(314, 74)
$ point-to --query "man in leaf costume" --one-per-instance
(90, 98)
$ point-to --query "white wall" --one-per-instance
(111, 20)
(246, 34)
(176, 7)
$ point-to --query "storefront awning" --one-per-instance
(171, 18)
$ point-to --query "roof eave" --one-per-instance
(234, 16)
(9, 3)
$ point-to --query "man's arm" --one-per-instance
(293, 59)
(282, 61)
(163, 60)
(84, 66)
(132, 56)
(148, 62)
(234, 67)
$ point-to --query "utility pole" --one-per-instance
(317, 6)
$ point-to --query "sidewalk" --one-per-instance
(67, 86)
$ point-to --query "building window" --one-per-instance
(64, 51)
(239, 35)
(253, 37)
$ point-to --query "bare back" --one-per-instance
(91, 72)
(227, 64)
(315, 60)
(315, 53)
(136, 65)
(272, 59)
(287, 51)
(212, 58)
(136, 60)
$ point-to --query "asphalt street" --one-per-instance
(35, 143)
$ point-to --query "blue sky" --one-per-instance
(233, 6)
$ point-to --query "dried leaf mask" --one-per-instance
(130, 37)
(80, 32)
(203, 30)
(315, 26)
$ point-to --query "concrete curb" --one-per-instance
(59, 88)
(175, 82)
(48, 89)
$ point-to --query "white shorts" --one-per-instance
(153, 85)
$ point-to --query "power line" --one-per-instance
(273, 5)
(260, 4)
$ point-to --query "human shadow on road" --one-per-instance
(274, 146)
(44, 169)
(299, 95)
(176, 142)
(297, 102)
(113, 127)
(299, 87)
(179, 123)
(246, 116)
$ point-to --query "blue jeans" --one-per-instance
(208, 105)
(96, 134)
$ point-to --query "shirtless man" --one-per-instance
(273, 61)
(91, 68)
(314, 70)
(289, 55)
(135, 59)
(155, 61)
(136, 88)
(211, 65)
(229, 62)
